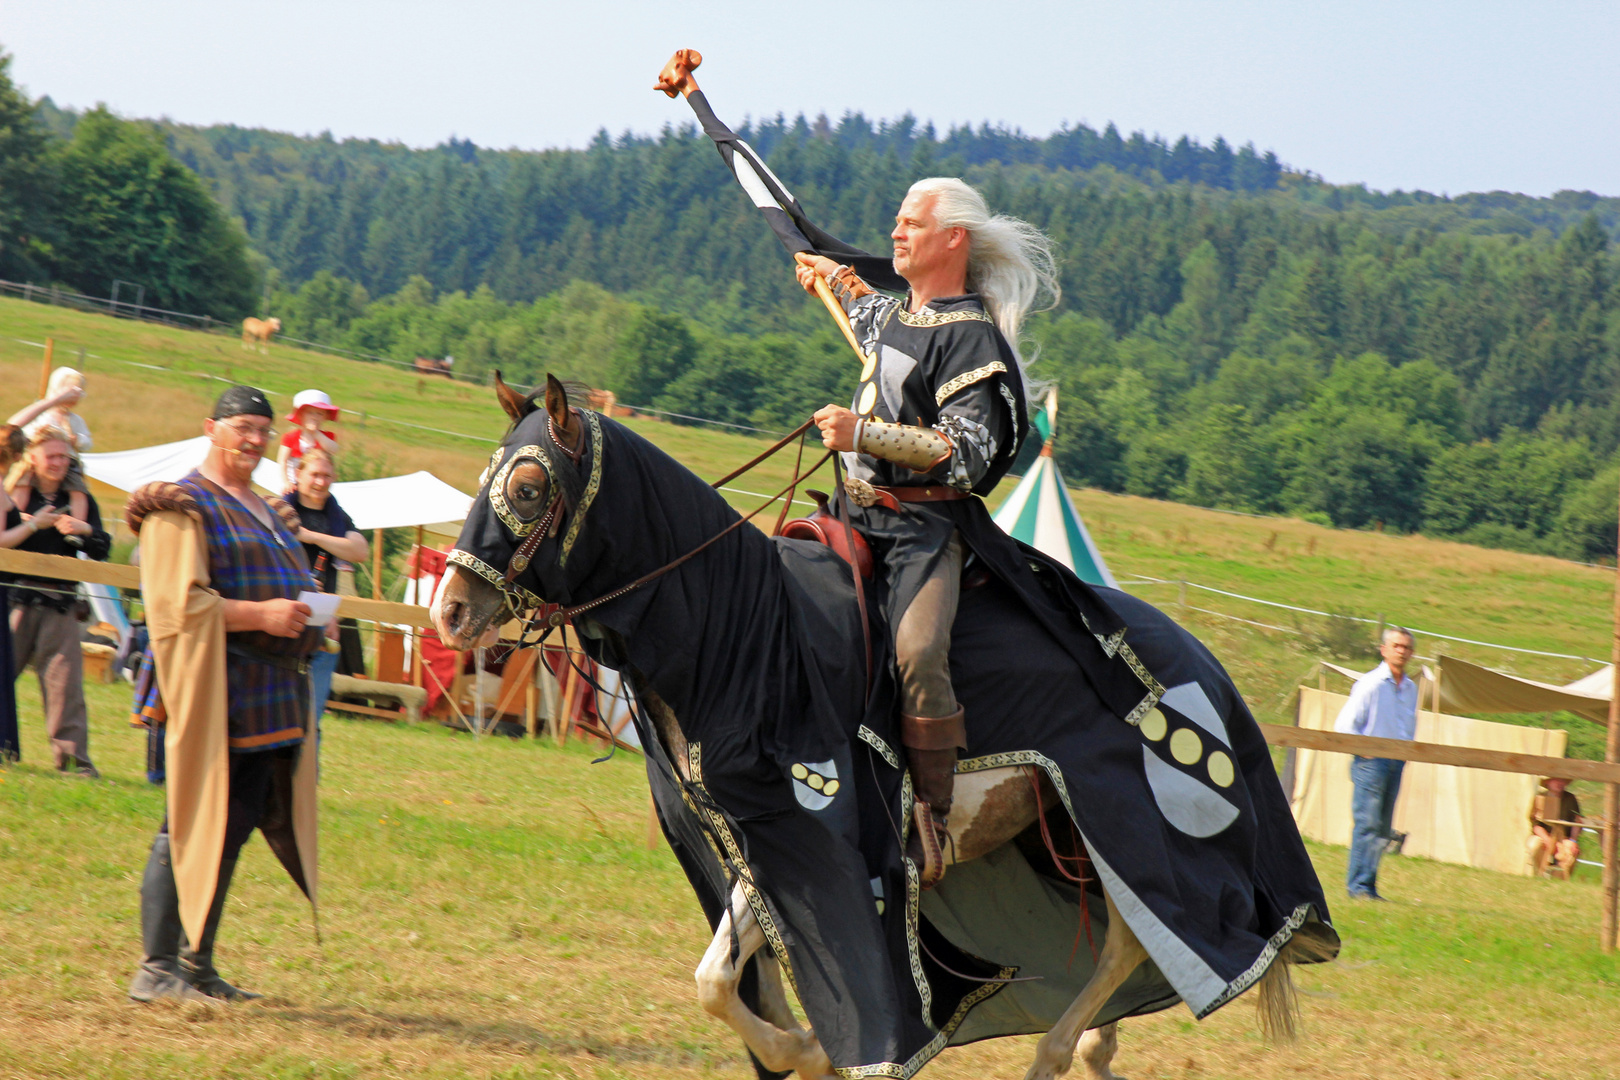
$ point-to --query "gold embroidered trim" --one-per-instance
(928, 317)
(591, 487)
(745, 874)
(494, 462)
(497, 489)
(968, 378)
(913, 901)
(1267, 957)
(877, 742)
(495, 578)
(898, 1071)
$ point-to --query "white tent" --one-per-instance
(391, 502)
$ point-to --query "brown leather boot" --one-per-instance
(931, 744)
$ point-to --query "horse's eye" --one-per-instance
(526, 490)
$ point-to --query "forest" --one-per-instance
(1232, 331)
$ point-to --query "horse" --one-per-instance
(426, 365)
(258, 332)
(745, 653)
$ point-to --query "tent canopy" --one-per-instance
(1040, 513)
(1470, 688)
(391, 502)
(1466, 687)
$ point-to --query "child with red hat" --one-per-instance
(310, 409)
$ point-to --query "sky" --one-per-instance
(1442, 95)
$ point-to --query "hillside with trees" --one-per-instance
(1232, 332)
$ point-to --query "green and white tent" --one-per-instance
(1040, 513)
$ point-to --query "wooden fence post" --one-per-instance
(1611, 793)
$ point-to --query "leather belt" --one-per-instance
(259, 656)
(862, 493)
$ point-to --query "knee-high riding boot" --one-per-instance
(197, 965)
(159, 974)
(931, 744)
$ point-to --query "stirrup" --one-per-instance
(924, 848)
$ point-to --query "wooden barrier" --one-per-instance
(33, 564)
(1466, 757)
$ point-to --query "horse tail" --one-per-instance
(1278, 1001)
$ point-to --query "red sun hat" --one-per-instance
(315, 399)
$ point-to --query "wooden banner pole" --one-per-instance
(45, 366)
(416, 635)
(1611, 796)
(376, 564)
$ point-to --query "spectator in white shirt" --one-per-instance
(1383, 704)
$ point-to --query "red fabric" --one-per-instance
(438, 666)
(436, 656)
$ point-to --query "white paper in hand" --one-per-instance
(322, 606)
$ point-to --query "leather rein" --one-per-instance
(549, 524)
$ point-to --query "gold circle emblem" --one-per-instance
(1185, 746)
(831, 788)
(815, 781)
(868, 399)
(869, 366)
(800, 772)
(1154, 725)
(1220, 769)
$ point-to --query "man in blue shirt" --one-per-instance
(1383, 704)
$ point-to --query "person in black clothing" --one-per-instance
(44, 625)
(327, 535)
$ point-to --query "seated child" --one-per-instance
(311, 408)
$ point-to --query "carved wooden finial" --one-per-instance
(676, 78)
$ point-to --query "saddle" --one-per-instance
(822, 527)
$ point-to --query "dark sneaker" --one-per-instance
(220, 990)
(153, 984)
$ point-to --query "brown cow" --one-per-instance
(259, 330)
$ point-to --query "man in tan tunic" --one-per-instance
(221, 570)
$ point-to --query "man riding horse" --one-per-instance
(938, 418)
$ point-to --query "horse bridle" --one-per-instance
(551, 522)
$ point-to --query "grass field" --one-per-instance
(490, 909)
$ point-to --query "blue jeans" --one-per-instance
(1377, 782)
(321, 667)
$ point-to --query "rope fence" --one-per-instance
(1142, 579)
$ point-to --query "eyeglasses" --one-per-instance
(250, 431)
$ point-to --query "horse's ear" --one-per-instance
(516, 405)
(562, 417)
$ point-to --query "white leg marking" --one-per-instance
(793, 1050)
(1121, 953)
(1096, 1052)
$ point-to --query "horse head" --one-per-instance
(512, 552)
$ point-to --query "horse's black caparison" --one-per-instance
(754, 646)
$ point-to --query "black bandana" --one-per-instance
(242, 401)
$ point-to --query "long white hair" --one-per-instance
(1010, 262)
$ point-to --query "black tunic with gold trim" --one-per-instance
(945, 367)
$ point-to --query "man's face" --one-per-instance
(246, 435)
(51, 460)
(920, 245)
(1557, 784)
(1396, 651)
(315, 479)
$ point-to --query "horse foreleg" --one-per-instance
(1121, 954)
(786, 1048)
